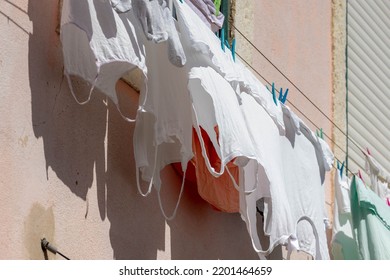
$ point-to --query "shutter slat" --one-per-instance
(368, 81)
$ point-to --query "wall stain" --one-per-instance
(37, 225)
(23, 141)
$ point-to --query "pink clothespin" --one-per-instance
(388, 201)
(366, 152)
(360, 176)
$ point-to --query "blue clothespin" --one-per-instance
(234, 49)
(227, 44)
(283, 97)
(223, 39)
(340, 168)
(273, 93)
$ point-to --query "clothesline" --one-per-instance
(299, 90)
(257, 72)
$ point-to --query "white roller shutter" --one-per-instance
(368, 78)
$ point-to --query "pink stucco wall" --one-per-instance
(296, 37)
(67, 171)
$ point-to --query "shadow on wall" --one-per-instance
(74, 146)
(73, 138)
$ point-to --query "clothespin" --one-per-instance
(181, 1)
(283, 97)
(320, 133)
(227, 44)
(366, 152)
(340, 168)
(223, 39)
(360, 176)
(273, 94)
(234, 49)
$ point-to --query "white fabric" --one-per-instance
(215, 104)
(261, 179)
(121, 6)
(290, 176)
(158, 25)
(380, 178)
(205, 9)
(163, 132)
(343, 243)
(98, 46)
(204, 49)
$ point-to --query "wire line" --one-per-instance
(304, 116)
(292, 104)
(299, 90)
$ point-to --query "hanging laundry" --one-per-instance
(220, 191)
(158, 25)
(97, 48)
(149, 14)
(344, 246)
(380, 178)
(289, 177)
(371, 222)
(163, 131)
(121, 6)
(306, 159)
(175, 49)
(207, 12)
(279, 160)
(214, 103)
(204, 50)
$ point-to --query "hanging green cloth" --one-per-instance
(371, 222)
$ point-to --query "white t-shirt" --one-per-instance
(289, 176)
(98, 47)
(215, 104)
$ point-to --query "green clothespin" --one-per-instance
(320, 133)
(217, 4)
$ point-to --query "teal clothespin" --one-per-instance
(234, 49)
(181, 1)
(283, 97)
(223, 39)
(320, 133)
(273, 93)
(227, 44)
(340, 168)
